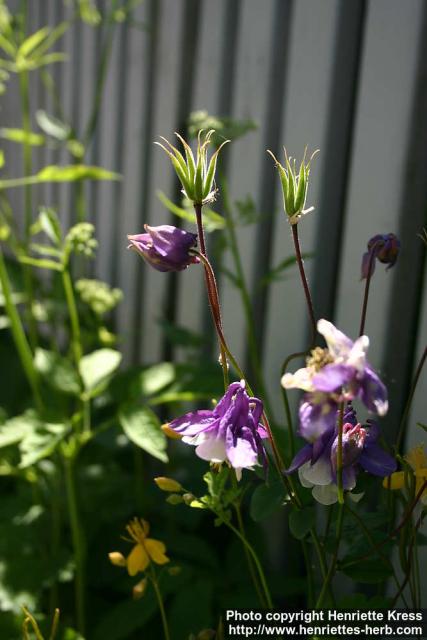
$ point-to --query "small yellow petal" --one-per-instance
(156, 551)
(168, 484)
(421, 473)
(117, 559)
(139, 589)
(417, 458)
(395, 481)
(137, 560)
(170, 433)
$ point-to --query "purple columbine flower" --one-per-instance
(382, 247)
(165, 248)
(232, 432)
(317, 462)
(333, 375)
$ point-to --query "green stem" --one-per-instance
(74, 316)
(78, 542)
(248, 557)
(402, 426)
(161, 605)
(27, 162)
(286, 400)
(254, 556)
(19, 337)
(309, 569)
(373, 544)
(332, 567)
(340, 455)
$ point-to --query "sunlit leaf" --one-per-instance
(74, 172)
(22, 137)
(96, 367)
(58, 372)
(142, 427)
(52, 126)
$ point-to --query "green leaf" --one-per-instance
(22, 137)
(50, 224)
(367, 571)
(58, 372)
(41, 263)
(277, 272)
(41, 442)
(74, 172)
(52, 126)
(2, 160)
(265, 500)
(301, 521)
(142, 427)
(15, 429)
(422, 426)
(97, 367)
(33, 41)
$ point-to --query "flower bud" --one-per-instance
(139, 589)
(196, 174)
(117, 559)
(294, 185)
(166, 248)
(168, 484)
(383, 247)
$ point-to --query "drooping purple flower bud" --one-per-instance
(382, 247)
(166, 248)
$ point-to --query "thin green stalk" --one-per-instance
(286, 400)
(332, 566)
(255, 558)
(19, 337)
(248, 557)
(402, 426)
(74, 316)
(309, 568)
(27, 162)
(373, 544)
(340, 455)
(161, 605)
(78, 542)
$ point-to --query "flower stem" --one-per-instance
(340, 455)
(286, 400)
(255, 558)
(212, 290)
(366, 295)
(304, 281)
(332, 566)
(409, 565)
(402, 426)
(78, 541)
(248, 557)
(161, 605)
(74, 316)
(19, 337)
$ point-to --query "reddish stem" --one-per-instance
(306, 288)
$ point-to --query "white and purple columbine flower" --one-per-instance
(339, 373)
(231, 432)
(317, 462)
(166, 248)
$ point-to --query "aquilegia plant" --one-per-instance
(345, 459)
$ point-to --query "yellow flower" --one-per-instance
(145, 550)
(417, 459)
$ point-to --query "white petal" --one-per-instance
(212, 449)
(304, 482)
(319, 473)
(356, 497)
(338, 343)
(301, 379)
(326, 495)
(357, 355)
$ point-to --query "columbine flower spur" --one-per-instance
(231, 432)
(166, 248)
